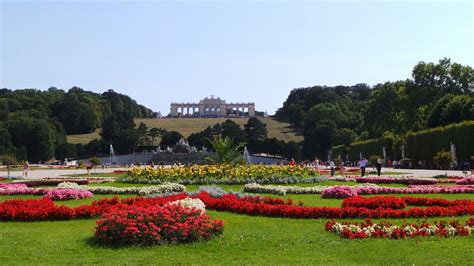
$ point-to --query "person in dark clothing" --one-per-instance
(378, 165)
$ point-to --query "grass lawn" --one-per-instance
(246, 239)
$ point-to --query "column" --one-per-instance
(251, 108)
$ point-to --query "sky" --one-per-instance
(159, 52)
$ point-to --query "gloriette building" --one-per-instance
(212, 107)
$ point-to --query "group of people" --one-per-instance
(362, 164)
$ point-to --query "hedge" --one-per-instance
(423, 145)
(340, 150)
(419, 146)
(370, 147)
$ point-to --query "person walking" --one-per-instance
(316, 164)
(89, 168)
(342, 169)
(378, 165)
(292, 162)
(332, 166)
(26, 169)
(362, 164)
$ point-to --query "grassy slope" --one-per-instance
(186, 126)
(246, 239)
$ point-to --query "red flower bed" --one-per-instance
(233, 204)
(385, 229)
(34, 210)
(374, 202)
(246, 205)
(155, 225)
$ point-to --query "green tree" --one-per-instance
(77, 113)
(232, 130)
(143, 134)
(170, 138)
(226, 151)
(318, 139)
(255, 130)
(199, 139)
(383, 111)
(155, 133)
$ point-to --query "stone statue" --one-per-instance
(453, 150)
(403, 151)
(384, 153)
(182, 147)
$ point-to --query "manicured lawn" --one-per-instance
(246, 239)
(255, 240)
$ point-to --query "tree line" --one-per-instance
(437, 94)
(34, 123)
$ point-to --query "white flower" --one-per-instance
(190, 203)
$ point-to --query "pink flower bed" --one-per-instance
(54, 194)
(12, 185)
(465, 181)
(341, 192)
(18, 189)
(67, 194)
(396, 180)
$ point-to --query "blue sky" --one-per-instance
(162, 52)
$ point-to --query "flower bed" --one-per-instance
(396, 180)
(165, 188)
(283, 190)
(156, 225)
(233, 204)
(342, 179)
(67, 194)
(340, 192)
(465, 181)
(270, 207)
(19, 189)
(54, 194)
(223, 174)
(54, 181)
(385, 229)
(51, 182)
(119, 172)
(374, 202)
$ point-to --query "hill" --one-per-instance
(186, 126)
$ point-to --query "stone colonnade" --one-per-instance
(212, 110)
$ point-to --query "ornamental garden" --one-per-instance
(222, 213)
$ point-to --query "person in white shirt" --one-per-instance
(363, 164)
(332, 165)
